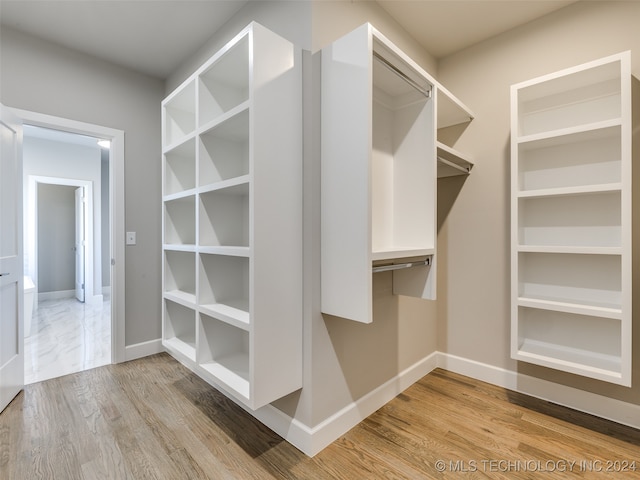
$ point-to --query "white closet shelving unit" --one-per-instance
(232, 176)
(450, 112)
(379, 173)
(571, 220)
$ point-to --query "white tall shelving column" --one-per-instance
(232, 279)
(571, 203)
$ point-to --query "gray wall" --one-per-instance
(39, 76)
(474, 320)
(56, 238)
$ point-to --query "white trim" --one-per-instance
(311, 440)
(592, 403)
(57, 295)
(144, 349)
(116, 212)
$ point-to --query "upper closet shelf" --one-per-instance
(451, 162)
(451, 111)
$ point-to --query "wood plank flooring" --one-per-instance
(153, 419)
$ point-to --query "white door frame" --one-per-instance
(116, 213)
(31, 233)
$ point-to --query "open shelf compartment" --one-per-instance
(180, 276)
(223, 353)
(590, 157)
(225, 84)
(581, 220)
(581, 97)
(180, 221)
(180, 168)
(180, 329)
(225, 288)
(402, 209)
(579, 344)
(224, 216)
(224, 150)
(587, 281)
(180, 114)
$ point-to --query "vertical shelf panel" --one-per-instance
(571, 198)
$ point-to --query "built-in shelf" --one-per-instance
(232, 197)
(571, 220)
(379, 180)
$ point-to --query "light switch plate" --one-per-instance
(131, 238)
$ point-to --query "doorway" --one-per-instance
(106, 283)
(68, 329)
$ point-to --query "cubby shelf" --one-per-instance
(180, 329)
(571, 220)
(179, 115)
(232, 217)
(378, 200)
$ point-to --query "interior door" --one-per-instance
(80, 243)
(11, 279)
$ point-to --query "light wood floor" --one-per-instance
(152, 418)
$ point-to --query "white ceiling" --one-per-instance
(444, 27)
(155, 36)
(149, 36)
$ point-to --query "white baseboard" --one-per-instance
(94, 300)
(592, 403)
(56, 295)
(311, 440)
(144, 349)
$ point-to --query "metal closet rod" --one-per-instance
(401, 74)
(399, 266)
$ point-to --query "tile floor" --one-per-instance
(67, 337)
